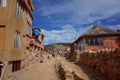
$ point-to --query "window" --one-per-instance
(17, 40)
(0, 3)
(91, 42)
(3, 3)
(96, 41)
(19, 10)
(40, 38)
(101, 41)
(38, 48)
(16, 65)
(28, 30)
(21, 13)
(87, 41)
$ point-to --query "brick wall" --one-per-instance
(108, 43)
(105, 61)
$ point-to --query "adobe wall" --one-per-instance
(107, 62)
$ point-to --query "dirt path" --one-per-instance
(40, 71)
(84, 72)
(46, 71)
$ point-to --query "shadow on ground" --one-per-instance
(91, 73)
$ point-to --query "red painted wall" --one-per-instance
(110, 44)
(93, 47)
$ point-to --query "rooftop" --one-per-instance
(99, 30)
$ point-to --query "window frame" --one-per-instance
(95, 42)
(17, 6)
(0, 3)
(19, 10)
(101, 41)
(17, 40)
(3, 3)
(28, 29)
(92, 42)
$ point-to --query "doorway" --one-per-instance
(0, 69)
(16, 65)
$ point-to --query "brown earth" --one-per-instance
(39, 71)
(83, 72)
(46, 71)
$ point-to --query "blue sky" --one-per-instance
(65, 20)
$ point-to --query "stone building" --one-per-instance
(15, 24)
(96, 38)
(34, 47)
(38, 41)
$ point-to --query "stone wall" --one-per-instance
(105, 61)
(75, 56)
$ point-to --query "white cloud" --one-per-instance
(83, 11)
(114, 27)
(78, 12)
(67, 34)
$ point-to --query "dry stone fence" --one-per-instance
(105, 61)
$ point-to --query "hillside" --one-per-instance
(56, 47)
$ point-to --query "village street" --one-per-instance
(38, 71)
(46, 71)
(59, 40)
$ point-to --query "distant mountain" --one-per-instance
(64, 44)
(56, 47)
